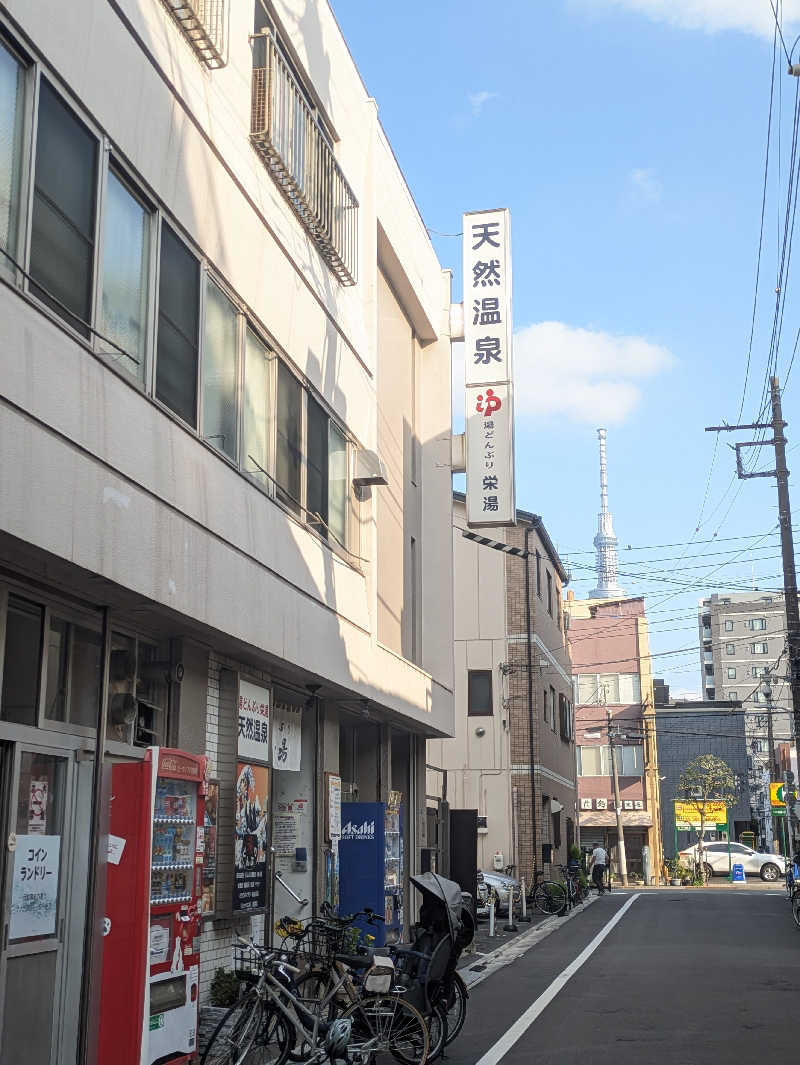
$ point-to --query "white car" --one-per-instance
(715, 859)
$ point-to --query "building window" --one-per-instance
(538, 574)
(317, 467)
(126, 262)
(709, 670)
(338, 482)
(565, 717)
(590, 761)
(549, 593)
(759, 697)
(178, 327)
(728, 625)
(22, 657)
(545, 708)
(732, 695)
(759, 648)
(63, 222)
(479, 696)
(256, 415)
(552, 708)
(731, 672)
(74, 671)
(759, 671)
(615, 689)
(12, 97)
(630, 760)
(730, 648)
(757, 624)
(289, 419)
(220, 371)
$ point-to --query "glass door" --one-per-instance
(38, 827)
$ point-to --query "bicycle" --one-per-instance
(556, 897)
(270, 1019)
(316, 946)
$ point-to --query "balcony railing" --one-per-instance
(203, 25)
(285, 133)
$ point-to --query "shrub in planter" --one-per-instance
(224, 989)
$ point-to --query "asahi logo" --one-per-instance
(366, 830)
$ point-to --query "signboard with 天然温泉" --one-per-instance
(489, 403)
(253, 743)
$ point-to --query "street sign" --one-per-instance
(777, 794)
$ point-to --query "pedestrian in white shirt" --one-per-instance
(598, 865)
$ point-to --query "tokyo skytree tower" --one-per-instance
(605, 542)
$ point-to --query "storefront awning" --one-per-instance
(608, 819)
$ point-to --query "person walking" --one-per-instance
(598, 867)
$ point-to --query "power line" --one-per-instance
(780, 33)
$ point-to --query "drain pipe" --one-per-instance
(531, 714)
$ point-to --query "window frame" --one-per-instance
(731, 672)
(100, 137)
(210, 277)
(730, 648)
(471, 673)
(728, 625)
(762, 644)
(30, 80)
(114, 164)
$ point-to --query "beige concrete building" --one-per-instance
(226, 434)
(513, 755)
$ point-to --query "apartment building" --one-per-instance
(225, 430)
(513, 756)
(743, 656)
(609, 647)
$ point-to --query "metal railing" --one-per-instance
(203, 25)
(285, 132)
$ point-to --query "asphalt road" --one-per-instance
(690, 977)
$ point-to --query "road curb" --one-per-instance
(521, 944)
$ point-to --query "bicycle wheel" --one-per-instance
(550, 897)
(312, 988)
(456, 1005)
(272, 1042)
(796, 906)
(235, 1033)
(385, 1027)
(437, 1031)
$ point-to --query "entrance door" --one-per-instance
(43, 883)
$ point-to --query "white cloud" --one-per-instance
(580, 374)
(749, 16)
(645, 186)
(478, 99)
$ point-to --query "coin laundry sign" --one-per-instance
(489, 405)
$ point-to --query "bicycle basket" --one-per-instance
(247, 963)
(380, 976)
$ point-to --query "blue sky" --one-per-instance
(628, 139)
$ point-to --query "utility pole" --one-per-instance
(781, 475)
(623, 861)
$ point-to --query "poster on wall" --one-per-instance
(286, 737)
(37, 807)
(333, 802)
(208, 901)
(34, 893)
(252, 840)
(253, 742)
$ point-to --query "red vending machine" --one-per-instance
(148, 1010)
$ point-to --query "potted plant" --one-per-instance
(677, 872)
(223, 993)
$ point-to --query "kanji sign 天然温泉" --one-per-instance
(488, 368)
(253, 734)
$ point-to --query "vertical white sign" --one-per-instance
(488, 368)
(253, 726)
(286, 737)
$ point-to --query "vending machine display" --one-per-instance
(154, 884)
(371, 866)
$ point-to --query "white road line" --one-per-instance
(495, 1053)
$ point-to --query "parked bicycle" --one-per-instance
(272, 1019)
(556, 897)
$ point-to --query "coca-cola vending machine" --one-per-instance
(148, 1009)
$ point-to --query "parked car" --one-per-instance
(501, 884)
(715, 859)
(482, 899)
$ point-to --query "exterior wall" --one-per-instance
(111, 501)
(677, 747)
(611, 637)
(491, 772)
